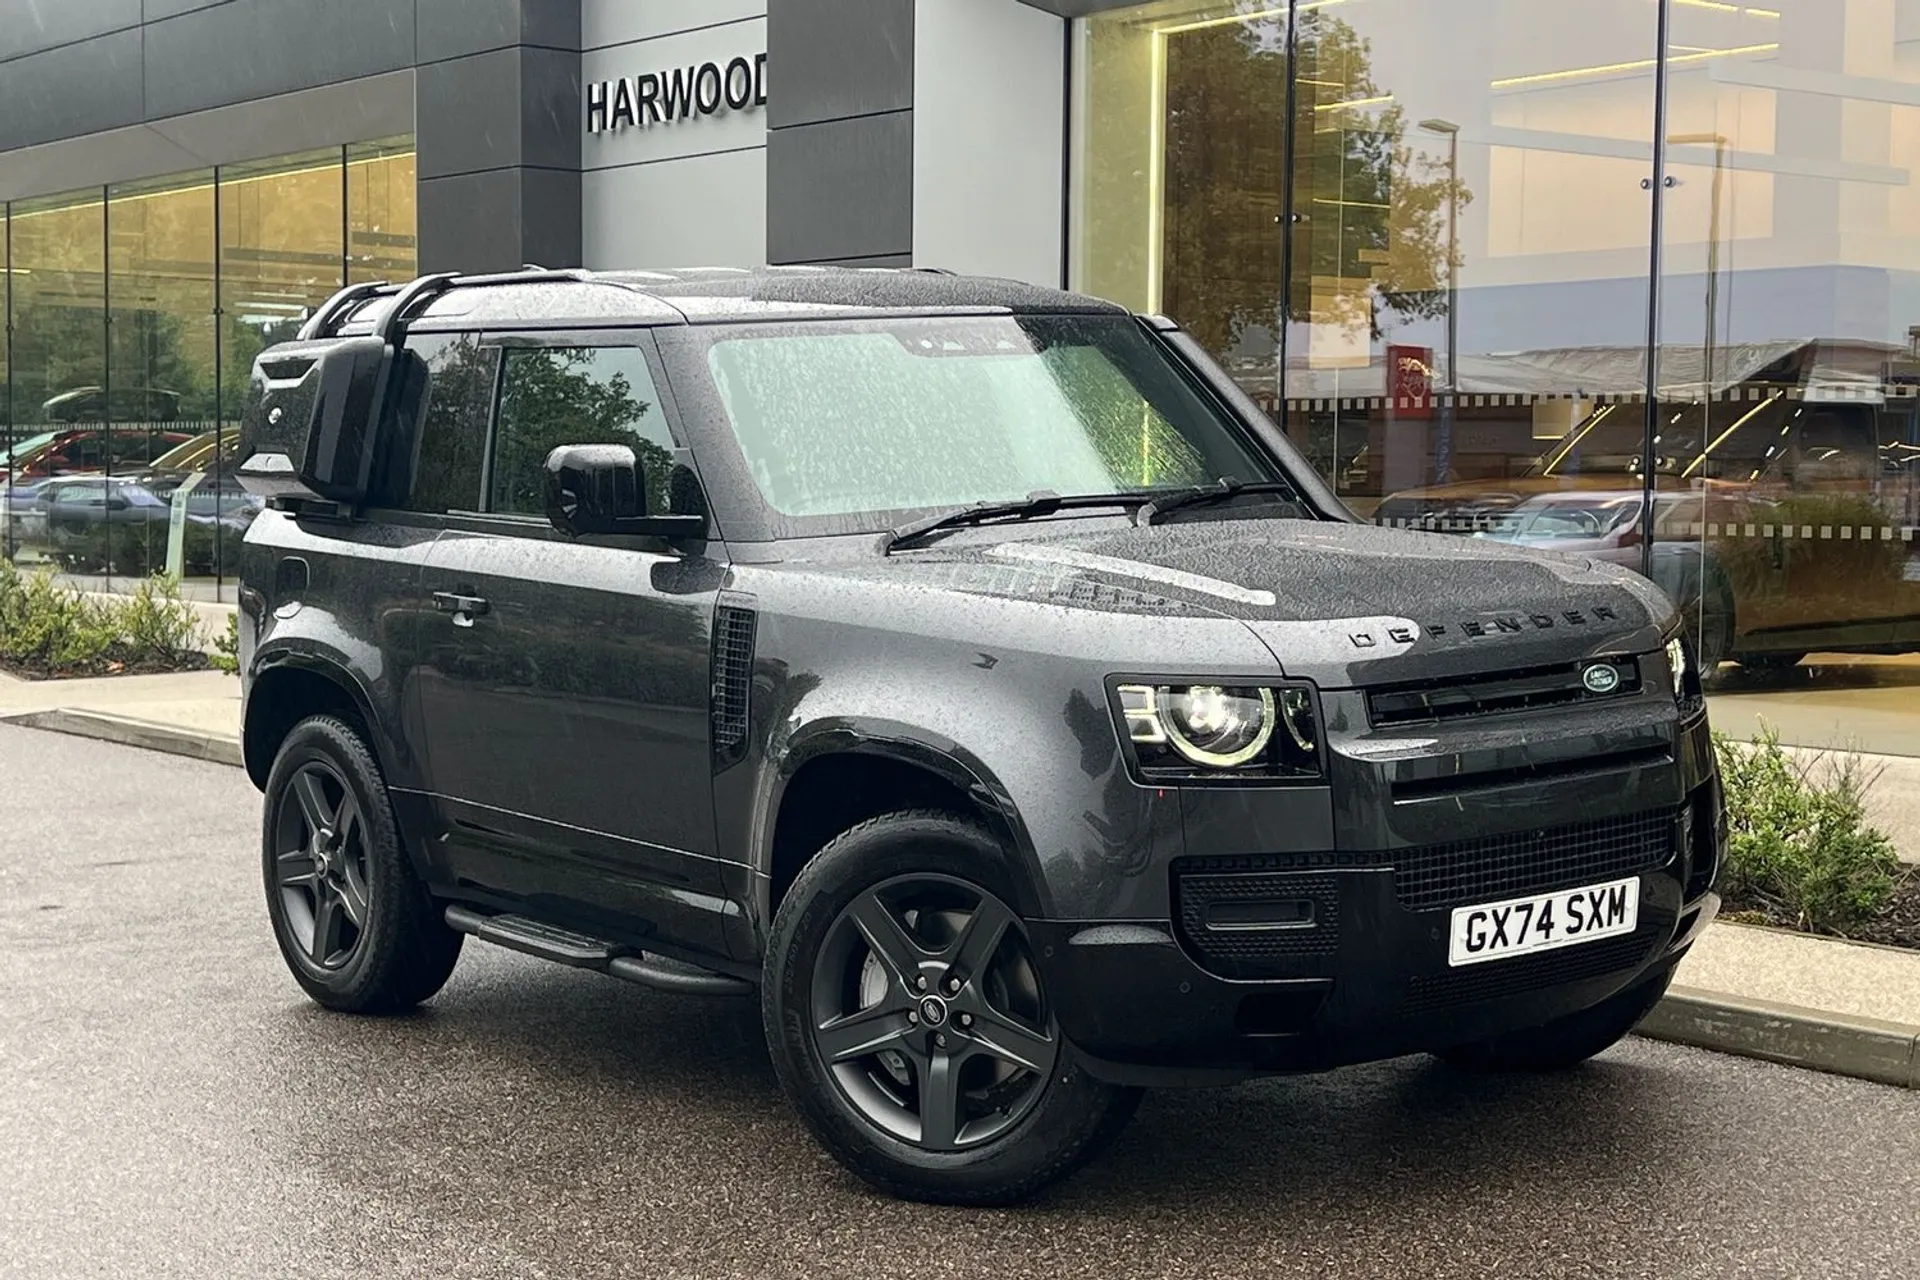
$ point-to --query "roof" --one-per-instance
(707, 295)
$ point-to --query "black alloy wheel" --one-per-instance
(320, 857)
(354, 921)
(910, 1022)
(928, 1013)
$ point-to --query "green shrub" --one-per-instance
(48, 629)
(156, 625)
(226, 647)
(45, 626)
(1798, 843)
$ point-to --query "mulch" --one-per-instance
(110, 666)
(1896, 924)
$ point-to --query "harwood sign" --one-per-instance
(663, 97)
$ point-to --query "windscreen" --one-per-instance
(840, 419)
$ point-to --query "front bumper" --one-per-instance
(1158, 1002)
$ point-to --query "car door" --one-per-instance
(567, 693)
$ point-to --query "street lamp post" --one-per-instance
(1443, 452)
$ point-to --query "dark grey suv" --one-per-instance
(966, 668)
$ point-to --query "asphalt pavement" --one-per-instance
(171, 1105)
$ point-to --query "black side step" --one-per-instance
(578, 951)
(518, 933)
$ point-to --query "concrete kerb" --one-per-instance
(131, 732)
(1864, 1048)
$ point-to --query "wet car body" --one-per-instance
(643, 742)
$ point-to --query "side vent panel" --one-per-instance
(733, 627)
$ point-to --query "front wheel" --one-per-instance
(354, 923)
(1565, 1042)
(910, 1026)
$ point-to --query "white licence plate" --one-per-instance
(1522, 926)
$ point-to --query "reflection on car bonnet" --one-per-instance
(1137, 571)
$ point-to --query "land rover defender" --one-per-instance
(966, 670)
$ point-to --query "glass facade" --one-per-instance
(1634, 279)
(134, 314)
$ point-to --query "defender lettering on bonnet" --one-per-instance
(1496, 625)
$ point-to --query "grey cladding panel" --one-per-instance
(29, 26)
(237, 52)
(550, 109)
(840, 190)
(456, 28)
(550, 218)
(81, 88)
(830, 59)
(468, 114)
(551, 24)
(158, 9)
(472, 222)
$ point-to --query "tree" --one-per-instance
(552, 398)
(1371, 209)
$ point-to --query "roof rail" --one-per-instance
(334, 307)
(410, 297)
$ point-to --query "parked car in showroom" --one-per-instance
(27, 468)
(968, 672)
(122, 524)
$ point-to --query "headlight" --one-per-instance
(1220, 728)
(1677, 665)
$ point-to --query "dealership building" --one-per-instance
(1507, 267)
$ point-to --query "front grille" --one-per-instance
(1533, 689)
(1488, 868)
(1501, 978)
(1203, 902)
(732, 682)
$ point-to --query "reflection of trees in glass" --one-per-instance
(1373, 210)
(453, 431)
(556, 397)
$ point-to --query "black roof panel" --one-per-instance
(713, 295)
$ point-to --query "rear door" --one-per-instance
(567, 691)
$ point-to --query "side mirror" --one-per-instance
(594, 488)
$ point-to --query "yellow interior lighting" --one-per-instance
(1639, 64)
(1739, 422)
(1573, 441)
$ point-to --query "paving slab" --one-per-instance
(205, 702)
(1816, 973)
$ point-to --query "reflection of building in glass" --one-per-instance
(1334, 193)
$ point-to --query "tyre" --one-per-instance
(909, 1025)
(1565, 1042)
(354, 923)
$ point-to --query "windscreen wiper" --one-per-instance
(1034, 506)
(1227, 489)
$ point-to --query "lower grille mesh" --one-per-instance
(1488, 868)
(1501, 978)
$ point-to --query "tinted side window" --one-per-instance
(456, 383)
(575, 395)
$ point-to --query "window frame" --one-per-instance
(479, 519)
(506, 342)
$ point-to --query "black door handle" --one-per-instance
(463, 608)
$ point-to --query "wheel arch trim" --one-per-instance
(901, 743)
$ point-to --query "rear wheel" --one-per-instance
(1565, 1042)
(353, 920)
(910, 1026)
